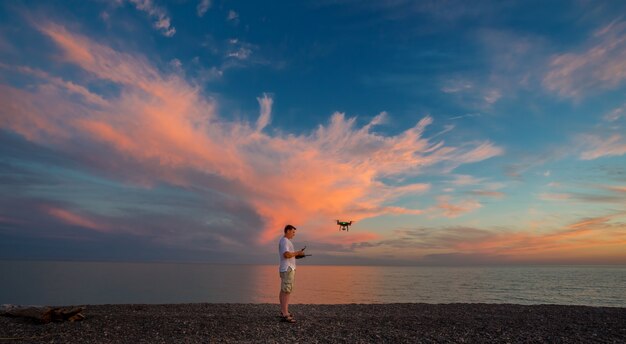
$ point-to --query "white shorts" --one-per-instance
(287, 280)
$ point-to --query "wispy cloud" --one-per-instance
(59, 83)
(512, 60)
(601, 64)
(605, 139)
(265, 103)
(161, 19)
(479, 152)
(75, 219)
(463, 180)
(203, 7)
(555, 196)
(234, 54)
(160, 129)
(528, 162)
(456, 85)
(240, 53)
(596, 146)
(486, 193)
(597, 239)
(453, 210)
(233, 16)
(598, 194)
(616, 114)
(492, 96)
(467, 115)
(479, 186)
(466, 91)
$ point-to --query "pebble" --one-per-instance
(352, 323)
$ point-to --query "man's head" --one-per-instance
(290, 231)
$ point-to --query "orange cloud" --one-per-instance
(575, 240)
(591, 240)
(74, 219)
(162, 121)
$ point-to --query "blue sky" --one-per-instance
(452, 133)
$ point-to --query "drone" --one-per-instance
(344, 225)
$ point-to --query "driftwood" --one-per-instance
(46, 315)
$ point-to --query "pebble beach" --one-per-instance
(352, 323)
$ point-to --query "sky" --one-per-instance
(450, 132)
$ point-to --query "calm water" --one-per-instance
(65, 283)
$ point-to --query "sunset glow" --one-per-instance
(179, 129)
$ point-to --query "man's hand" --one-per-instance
(294, 254)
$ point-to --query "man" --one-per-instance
(287, 271)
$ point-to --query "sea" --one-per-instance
(81, 283)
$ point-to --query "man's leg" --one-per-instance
(284, 303)
(287, 279)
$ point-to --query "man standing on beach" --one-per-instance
(287, 271)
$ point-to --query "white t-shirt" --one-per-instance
(285, 245)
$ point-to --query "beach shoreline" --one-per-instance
(341, 323)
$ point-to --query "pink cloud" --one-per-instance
(598, 239)
(487, 193)
(452, 210)
(483, 151)
(75, 219)
(583, 234)
(602, 64)
(265, 103)
(462, 180)
(163, 122)
(595, 147)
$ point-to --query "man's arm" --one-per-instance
(293, 254)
